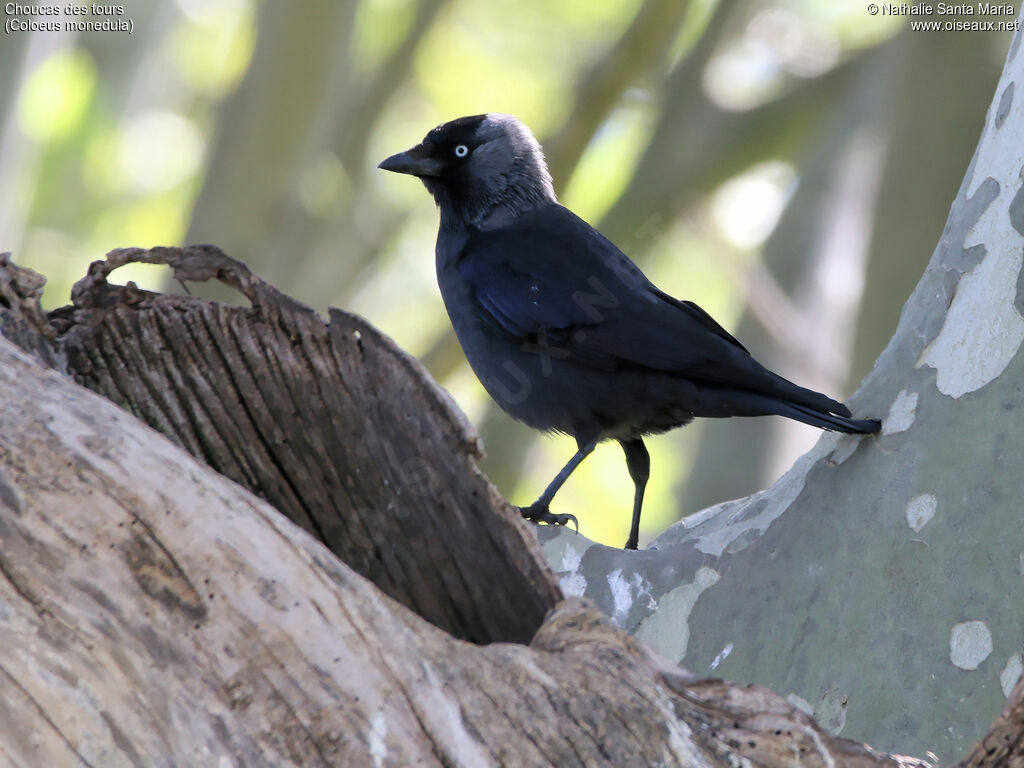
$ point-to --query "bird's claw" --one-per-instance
(541, 514)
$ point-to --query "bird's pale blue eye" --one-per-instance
(461, 151)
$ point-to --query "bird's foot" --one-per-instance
(541, 514)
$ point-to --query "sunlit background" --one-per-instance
(788, 165)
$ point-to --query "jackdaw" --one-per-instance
(563, 330)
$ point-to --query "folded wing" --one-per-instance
(553, 281)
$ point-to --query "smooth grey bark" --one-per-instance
(938, 88)
(877, 582)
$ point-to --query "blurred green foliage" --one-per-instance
(111, 140)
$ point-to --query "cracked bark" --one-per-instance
(329, 422)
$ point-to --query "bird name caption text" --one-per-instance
(959, 10)
(66, 17)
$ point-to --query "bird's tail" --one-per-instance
(816, 409)
(768, 394)
(826, 420)
(784, 398)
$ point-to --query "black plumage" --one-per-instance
(563, 330)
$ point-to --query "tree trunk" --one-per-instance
(877, 581)
(155, 613)
(329, 422)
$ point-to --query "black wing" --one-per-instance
(553, 273)
(552, 279)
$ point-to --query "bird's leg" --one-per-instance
(538, 512)
(638, 461)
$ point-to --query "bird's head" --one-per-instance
(482, 170)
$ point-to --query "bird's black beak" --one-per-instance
(418, 161)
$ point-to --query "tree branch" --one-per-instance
(640, 47)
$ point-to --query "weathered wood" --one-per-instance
(330, 422)
(22, 319)
(157, 614)
(1003, 745)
